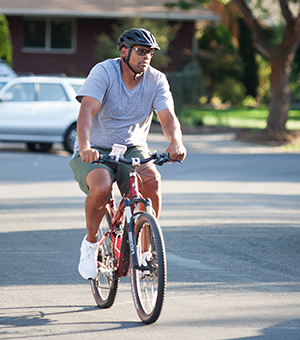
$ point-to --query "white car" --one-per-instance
(5, 70)
(39, 110)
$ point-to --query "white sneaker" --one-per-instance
(88, 259)
(143, 260)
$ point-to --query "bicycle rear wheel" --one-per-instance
(148, 286)
(105, 286)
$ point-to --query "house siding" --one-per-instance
(83, 59)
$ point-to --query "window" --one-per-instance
(34, 33)
(49, 35)
(2, 84)
(51, 92)
(76, 87)
(22, 92)
(61, 34)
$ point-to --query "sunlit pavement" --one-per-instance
(230, 219)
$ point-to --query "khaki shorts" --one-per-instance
(120, 174)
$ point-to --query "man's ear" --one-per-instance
(124, 52)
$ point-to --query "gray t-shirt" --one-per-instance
(125, 116)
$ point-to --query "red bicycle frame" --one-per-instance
(118, 236)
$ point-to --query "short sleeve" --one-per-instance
(95, 85)
(163, 98)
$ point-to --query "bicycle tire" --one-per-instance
(105, 287)
(148, 287)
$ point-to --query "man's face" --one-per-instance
(140, 57)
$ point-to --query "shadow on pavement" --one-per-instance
(288, 330)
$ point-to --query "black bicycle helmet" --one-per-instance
(137, 36)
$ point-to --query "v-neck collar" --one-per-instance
(137, 85)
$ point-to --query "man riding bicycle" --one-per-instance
(117, 101)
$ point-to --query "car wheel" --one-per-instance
(39, 147)
(70, 137)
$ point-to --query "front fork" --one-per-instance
(130, 222)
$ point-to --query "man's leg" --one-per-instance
(99, 183)
(150, 186)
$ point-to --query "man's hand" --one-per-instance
(171, 128)
(89, 155)
(176, 151)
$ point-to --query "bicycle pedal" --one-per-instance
(103, 269)
(145, 274)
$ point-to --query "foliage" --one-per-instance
(216, 35)
(247, 53)
(5, 42)
(183, 4)
(295, 76)
(106, 47)
(264, 71)
(221, 63)
(190, 4)
(283, 24)
(187, 86)
(249, 102)
(163, 32)
(231, 91)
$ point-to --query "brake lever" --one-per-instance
(165, 158)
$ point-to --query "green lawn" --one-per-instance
(255, 118)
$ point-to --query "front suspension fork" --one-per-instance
(130, 221)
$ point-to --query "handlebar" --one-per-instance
(159, 159)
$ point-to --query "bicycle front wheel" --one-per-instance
(148, 286)
(105, 286)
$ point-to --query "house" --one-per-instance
(51, 36)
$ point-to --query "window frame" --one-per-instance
(47, 48)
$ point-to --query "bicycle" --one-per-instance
(131, 241)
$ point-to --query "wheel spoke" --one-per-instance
(104, 288)
(149, 284)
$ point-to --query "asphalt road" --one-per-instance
(231, 222)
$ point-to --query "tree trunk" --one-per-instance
(280, 58)
(280, 92)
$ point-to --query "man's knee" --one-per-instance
(100, 194)
(100, 186)
(152, 182)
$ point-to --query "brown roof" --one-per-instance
(153, 9)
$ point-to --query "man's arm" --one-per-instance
(88, 110)
(171, 129)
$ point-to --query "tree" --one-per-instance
(247, 53)
(5, 42)
(279, 53)
(295, 76)
(221, 64)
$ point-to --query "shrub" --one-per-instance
(5, 42)
(231, 91)
(219, 60)
(187, 86)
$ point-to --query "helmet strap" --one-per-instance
(126, 60)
